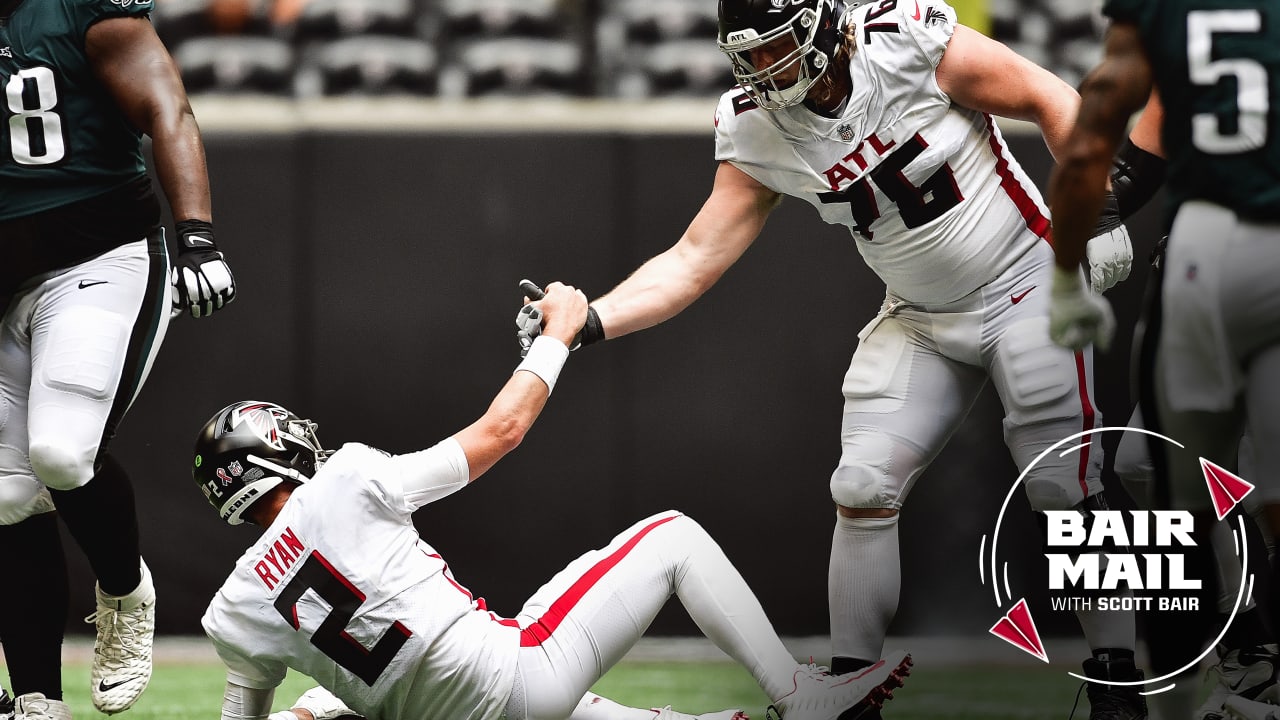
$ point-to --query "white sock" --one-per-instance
(1109, 628)
(863, 584)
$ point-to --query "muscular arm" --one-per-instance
(984, 75)
(132, 63)
(1118, 87)
(729, 221)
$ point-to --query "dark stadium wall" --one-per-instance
(376, 294)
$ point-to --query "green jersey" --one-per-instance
(62, 136)
(1216, 64)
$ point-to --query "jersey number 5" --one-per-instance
(331, 637)
(35, 130)
(1253, 102)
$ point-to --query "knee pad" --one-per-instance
(1046, 494)
(59, 465)
(1056, 481)
(862, 479)
(1041, 377)
(22, 496)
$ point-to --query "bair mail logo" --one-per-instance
(1086, 563)
(1112, 560)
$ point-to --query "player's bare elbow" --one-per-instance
(506, 432)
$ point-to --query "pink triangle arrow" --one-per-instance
(1226, 488)
(1019, 630)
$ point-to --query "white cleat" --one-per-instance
(667, 713)
(819, 695)
(1248, 673)
(122, 652)
(35, 706)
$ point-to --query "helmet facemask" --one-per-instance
(770, 87)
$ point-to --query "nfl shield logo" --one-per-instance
(846, 132)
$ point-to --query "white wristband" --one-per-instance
(545, 359)
(283, 715)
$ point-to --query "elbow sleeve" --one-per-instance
(1136, 176)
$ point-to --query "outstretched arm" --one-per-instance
(729, 221)
(518, 404)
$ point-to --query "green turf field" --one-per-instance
(187, 691)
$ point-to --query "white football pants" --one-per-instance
(590, 614)
(75, 348)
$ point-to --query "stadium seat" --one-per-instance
(650, 21)
(230, 64)
(683, 67)
(465, 19)
(370, 65)
(331, 19)
(517, 66)
(179, 20)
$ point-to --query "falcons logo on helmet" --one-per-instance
(264, 419)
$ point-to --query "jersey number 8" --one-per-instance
(35, 131)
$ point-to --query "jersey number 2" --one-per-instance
(331, 637)
(35, 130)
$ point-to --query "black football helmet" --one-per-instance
(249, 447)
(749, 24)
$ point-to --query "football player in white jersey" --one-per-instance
(341, 588)
(880, 116)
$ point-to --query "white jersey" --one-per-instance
(341, 588)
(929, 190)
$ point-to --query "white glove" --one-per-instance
(1110, 257)
(201, 280)
(323, 704)
(1078, 317)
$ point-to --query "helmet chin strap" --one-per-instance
(787, 97)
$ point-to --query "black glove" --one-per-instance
(202, 282)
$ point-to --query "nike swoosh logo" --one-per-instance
(104, 686)
(1018, 298)
(198, 240)
(90, 283)
(917, 15)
